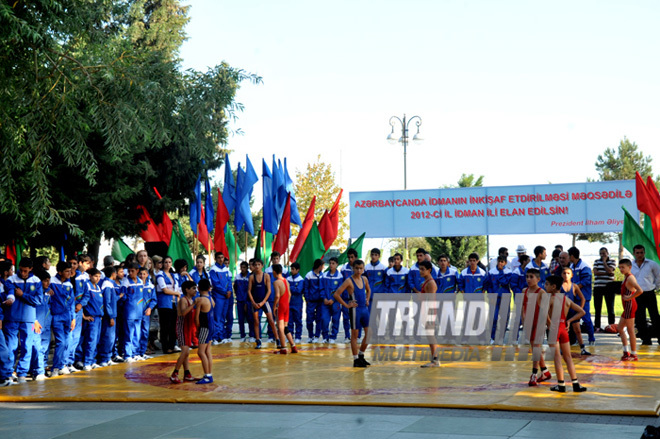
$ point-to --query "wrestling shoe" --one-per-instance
(362, 359)
(632, 357)
(558, 388)
(205, 380)
(544, 376)
(294, 350)
(431, 364)
(585, 352)
(258, 346)
(174, 378)
(358, 363)
(281, 351)
(625, 356)
(532, 381)
(578, 388)
(189, 377)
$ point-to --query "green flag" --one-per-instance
(312, 249)
(232, 248)
(179, 248)
(120, 250)
(357, 245)
(633, 234)
(648, 228)
(264, 246)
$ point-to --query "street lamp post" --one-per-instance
(394, 138)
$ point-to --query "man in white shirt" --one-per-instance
(647, 273)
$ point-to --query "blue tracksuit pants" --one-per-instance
(91, 336)
(330, 314)
(314, 315)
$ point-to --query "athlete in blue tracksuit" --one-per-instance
(498, 282)
(518, 281)
(243, 305)
(62, 309)
(446, 276)
(473, 278)
(42, 338)
(109, 322)
(79, 281)
(397, 277)
(537, 262)
(223, 313)
(415, 281)
(18, 325)
(92, 304)
(376, 273)
(313, 292)
(6, 365)
(132, 287)
(296, 283)
(582, 277)
(147, 305)
(331, 310)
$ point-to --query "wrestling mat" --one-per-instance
(323, 374)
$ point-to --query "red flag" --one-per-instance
(654, 202)
(329, 224)
(10, 253)
(203, 235)
(165, 226)
(221, 220)
(281, 243)
(151, 234)
(304, 231)
(643, 198)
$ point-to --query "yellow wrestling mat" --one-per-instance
(322, 374)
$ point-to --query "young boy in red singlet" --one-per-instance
(553, 286)
(282, 298)
(630, 289)
(532, 277)
(185, 330)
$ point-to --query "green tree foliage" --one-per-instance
(458, 248)
(319, 180)
(96, 111)
(619, 164)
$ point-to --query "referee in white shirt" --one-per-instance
(647, 273)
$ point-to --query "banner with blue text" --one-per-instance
(593, 207)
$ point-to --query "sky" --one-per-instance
(519, 92)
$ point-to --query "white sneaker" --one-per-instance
(215, 343)
(177, 349)
(252, 340)
(431, 364)
(65, 371)
(347, 340)
(310, 340)
(130, 360)
(244, 339)
(270, 340)
(333, 341)
(21, 380)
(6, 383)
(112, 363)
(95, 366)
(40, 377)
(55, 372)
(104, 364)
(72, 369)
(147, 357)
(227, 340)
(326, 340)
(297, 341)
(87, 368)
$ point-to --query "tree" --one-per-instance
(458, 248)
(319, 180)
(413, 244)
(99, 115)
(619, 164)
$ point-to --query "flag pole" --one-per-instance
(246, 245)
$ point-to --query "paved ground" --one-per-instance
(227, 421)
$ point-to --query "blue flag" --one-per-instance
(239, 221)
(196, 205)
(279, 190)
(229, 190)
(288, 184)
(270, 218)
(249, 179)
(209, 211)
